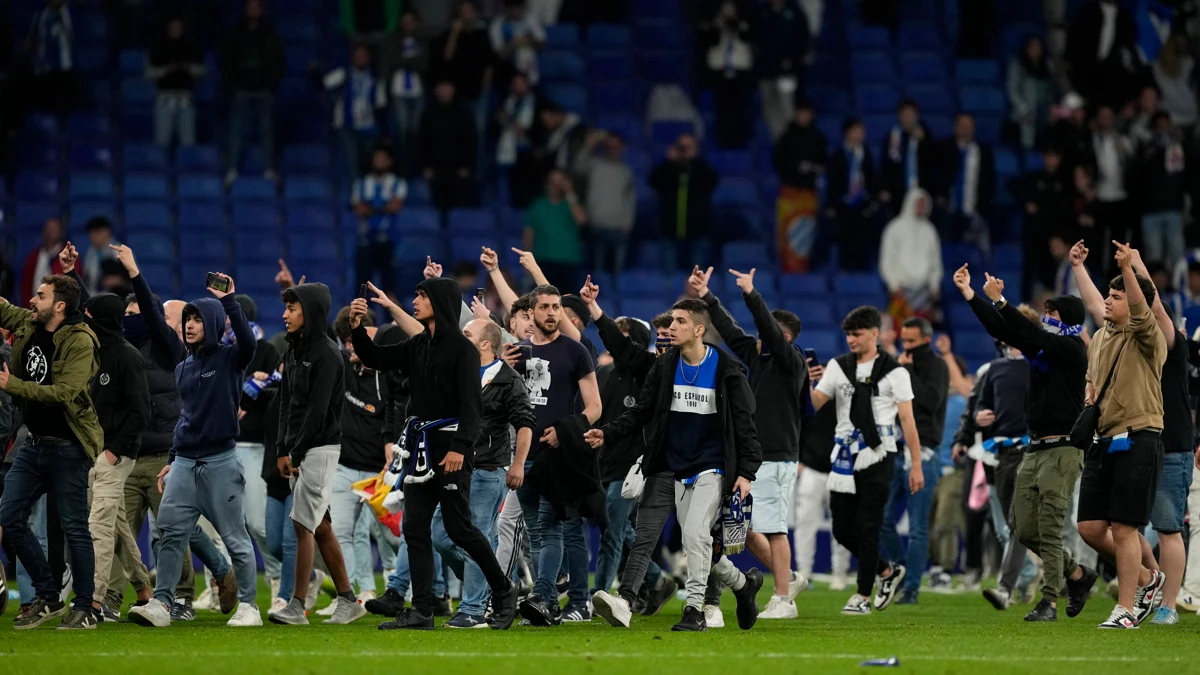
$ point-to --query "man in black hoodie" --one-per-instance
(439, 443)
(800, 154)
(122, 400)
(310, 408)
(252, 65)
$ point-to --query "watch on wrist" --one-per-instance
(999, 304)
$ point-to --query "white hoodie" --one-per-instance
(910, 254)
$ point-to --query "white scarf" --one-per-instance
(520, 113)
(970, 179)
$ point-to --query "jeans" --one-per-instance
(251, 457)
(857, 518)
(408, 125)
(609, 248)
(61, 473)
(37, 521)
(251, 108)
(488, 490)
(281, 541)
(1163, 233)
(174, 115)
(352, 527)
(612, 540)
(401, 577)
(214, 487)
(687, 252)
(545, 539)
(918, 506)
(658, 500)
(479, 109)
(575, 560)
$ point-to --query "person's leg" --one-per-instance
(456, 515)
(221, 498)
(345, 508)
(575, 558)
(919, 507)
(164, 120)
(1191, 578)
(612, 541)
(550, 556)
(106, 519)
(37, 523)
(777, 481)
(1056, 475)
(658, 499)
(67, 473)
(443, 545)
(420, 500)
(487, 492)
(1173, 239)
(1167, 517)
(810, 512)
(185, 122)
(530, 503)
(239, 112)
(1130, 573)
(1153, 235)
(889, 539)
(250, 455)
(697, 542)
(146, 470)
(1026, 514)
(176, 518)
(266, 122)
(401, 576)
(23, 487)
(362, 574)
(510, 530)
(274, 518)
(872, 485)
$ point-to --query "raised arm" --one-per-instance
(67, 258)
(491, 263)
(992, 322)
(1092, 298)
(383, 358)
(744, 346)
(623, 349)
(245, 342)
(769, 331)
(1160, 312)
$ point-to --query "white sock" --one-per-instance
(741, 581)
(782, 598)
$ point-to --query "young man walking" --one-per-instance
(204, 476)
(443, 372)
(310, 409)
(698, 413)
(871, 391)
(55, 356)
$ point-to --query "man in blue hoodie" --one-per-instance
(206, 477)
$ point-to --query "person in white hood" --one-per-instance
(910, 258)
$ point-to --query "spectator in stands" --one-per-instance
(730, 62)
(252, 64)
(372, 23)
(910, 259)
(800, 154)
(1085, 206)
(781, 42)
(376, 198)
(909, 155)
(408, 91)
(610, 198)
(970, 177)
(552, 227)
(359, 102)
(1139, 130)
(174, 65)
(1070, 133)
(515, 119)
(43, 260)
(1031, 91)
(448, 141)
(1102, 54)
(464, 56)
(516, 38)
(1063, 278)
(557, 139)
(99, 232)
(545, 12)
(1160, 170)
(1173, 72)
(1112, 152)
(685, 184)
(1047, 195)
(849, 195)
(51, 47)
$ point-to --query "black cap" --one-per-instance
(576, 304)
(1070, 309)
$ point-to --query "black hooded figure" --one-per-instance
(442, 367)
(119, 389)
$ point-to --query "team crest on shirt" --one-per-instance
(630, 401)
(36, 364)
(537, 380)
(104, 379)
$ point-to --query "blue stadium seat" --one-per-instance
(91, 126)
(160, 276)
(36, 185)
(977, 71)
(91, 185)
(941, 126)
(146, 185)
(615, 97)
(983, 100)
(665, 67)
(306, 188)
(827, 343)
(829, 100)
(744, 255)
(877, 127)
(250, 274)
(306, 159)
(608, 35)
(92, 59)
(419, 193)
(86, 156)
(152, 245)
(872, 67)
(803, 285)
(627, 127)
(198, 158)
(736, 191)
(199, 186)
(641, 283)
(571, 97)
(467, 248)
(877, 99)
(562, 36)
(310, 218)
(204, 246)
(919, 36)
(560, 66)
(136, 91)
(1007, 256)
(31, 216)
(144, 157)
(418, 220)
(934, 99)
(858, 284)
(201, 216)
(732, 162)
(642, 308)
(988, 129)
(258, 216)
(923, 67)
(255, 246)
(471, 222)
(42, 124)
(132, 62)
(252, 189)
(297, 30)
(148, 216)
(813, 313)
(610, 66)
(1007, 164)
(83, 210)
(868, 37)
(38, 156)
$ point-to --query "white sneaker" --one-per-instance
(329, 609)
(388, 572)
(207, 600)
(779, 608)
(612, 608)
(347, 613)
(857, 606)
(838, 582)
(153, 614)
(1187, 603)
(366, 596)
(277, 605)
(713, 617)
(314, 590)
(797, 585)
(246, 615)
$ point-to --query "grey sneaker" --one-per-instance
(182, 611)
(292, 615)
(346, 613)
(79, 619)
(39, 613)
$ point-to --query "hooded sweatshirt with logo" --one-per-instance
(119, 389)
(210, 380)
(312, 390)
(442, 367)
(266, 360)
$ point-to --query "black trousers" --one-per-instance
(858, 517)
(658, 500)
(453, 492)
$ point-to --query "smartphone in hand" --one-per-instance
(217, 282)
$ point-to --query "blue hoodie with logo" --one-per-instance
(210, 380)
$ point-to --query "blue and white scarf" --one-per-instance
(1118, 443)
(229, 340)
(733, 526)
(1054, 327)
(852, 454)
(986, 451)
(411, 461)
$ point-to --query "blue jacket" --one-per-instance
(210, 380)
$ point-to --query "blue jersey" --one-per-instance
(694, 442)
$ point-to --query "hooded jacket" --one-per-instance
(620, 385)
(210, 380)
(119, 389)
(266, 360)
(363, 417)
(162, 351)
(312, 389)
(505, 403)
(442, 366)
(930, 378)
(911, 251)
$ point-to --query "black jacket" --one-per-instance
(1055, 391)
(266, 360)
(1004, 389)
(668, 179)
(951, 162)
(397, 387)
(569, 477)
(778, 376)
(311, 392)
(780, 41)
(1160, 189)
(895, 159)
(735, 402)
(799, 146)
(838, 176)
(620, 386)
(930, 378)
(119, 390)
(363, 414)
(448, 139)
(253, 58)
(442, 367)
(505, 404)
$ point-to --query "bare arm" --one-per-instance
(1092, 299)
(590, 392)
(819, 399)
(1160, 313)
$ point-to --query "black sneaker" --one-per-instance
(109, 615)
(39, 613)
(504, 607)
(889, 586)
(409, 619)
(747, 600)
(461, 620)
(1044, 611)
(577, 614)
(693, 619)
(79, 619)
(660, 596)
(390, 603)
(441, 606)
(182, 611)
(563, 585)
(1079, 590)
(535, 610)
(908, 596)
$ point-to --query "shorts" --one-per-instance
(1119, 487)
(1170, 499)
(312, 488)
(773, 490)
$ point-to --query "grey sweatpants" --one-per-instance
(697, 506)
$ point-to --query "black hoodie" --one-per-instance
(363, 415)
(442, 367)
(312, 389)
(266, 360)
(161, 351)
(930, 378)
(119, 390)
(620, 385)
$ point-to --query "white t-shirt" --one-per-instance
(895, 388)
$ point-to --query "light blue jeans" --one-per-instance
(251, 457)
(352, 526)
(545, 539)
(918, 506)
(488, 490)
(213, 487)
(281, 541)
(174, 116)
(1163, 234)
(575, 560)
(37, 521)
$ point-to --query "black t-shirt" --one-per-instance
(42, 419)
(1177, 418)
(552, 373)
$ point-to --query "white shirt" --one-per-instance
(895, 388)
(1110, 165)
(1108, 30)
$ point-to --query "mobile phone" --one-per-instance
(217, 282)
(362, 291)
(810, 355)
(481, 294)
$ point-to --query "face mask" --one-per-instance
(136, 330)
(661, 345)
(1052, 325)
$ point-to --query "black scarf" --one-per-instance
(862, 413)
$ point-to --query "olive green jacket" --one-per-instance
(76, 360)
